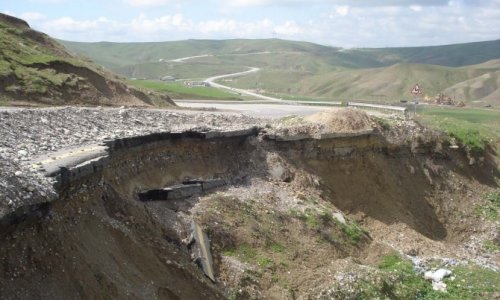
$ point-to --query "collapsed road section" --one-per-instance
(211, 214)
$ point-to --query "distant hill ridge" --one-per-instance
(293, 69)
(34, 68)
(121, 54)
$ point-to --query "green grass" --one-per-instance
(278, 248)
(398, 280)
(190, 69)
(265, 262)
(472, 115)
(382, 122)
(471, 282)
(305, 71)
(178, 90)
(122, 54)
(353, 231)
(244, 252)
(22, 52)
(490, 207)
(329, 228)
(474, 128)
(491, 246)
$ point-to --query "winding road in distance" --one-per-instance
(212, 82)
(271, 107)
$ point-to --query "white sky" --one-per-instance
(355, 23)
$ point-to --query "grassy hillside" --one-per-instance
(474, 127)
(387, 84)
(448, 55)
(191, 70)
(36, 69)
(115, 55)
(298, 70)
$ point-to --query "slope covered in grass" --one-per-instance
(289, 69)
(36, 69)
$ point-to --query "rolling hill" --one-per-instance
(34, 68)
(290, 69)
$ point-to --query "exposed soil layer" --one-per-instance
(293, 215)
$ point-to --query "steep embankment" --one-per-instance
(299, 211)
(36, 69)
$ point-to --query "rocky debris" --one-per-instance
(207, 185)
(283, 193)
(339, 217)
(413, 134)
(175, 192)
(333, 123)
(437, 278)
(31, 133)
(345, 120)
(181, 191)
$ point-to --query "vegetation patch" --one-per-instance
(491, 246)
(473, 128)
(383, 123)
(245, 252)
(330, 229)
(35, 68)
(178, 90)
(491, 205)
(353, 231)
(395, 278)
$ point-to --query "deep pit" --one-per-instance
(102, 240)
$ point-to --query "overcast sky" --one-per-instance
(355, 23)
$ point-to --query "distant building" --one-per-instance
(167, 78)
(443, 99)
(197, 83)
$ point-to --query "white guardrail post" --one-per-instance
(403, 110)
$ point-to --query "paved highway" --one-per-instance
(272, 110)
(182, 59)
(212, 82)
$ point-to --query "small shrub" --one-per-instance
(491, 246)
(277, 248)
(245, 252)
(265, 262)
(383, 123)
(352, 230)
(490, 208)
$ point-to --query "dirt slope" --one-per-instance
(36, 69)
(298, 218)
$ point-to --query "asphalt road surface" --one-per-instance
(212, 82)
(255, 109)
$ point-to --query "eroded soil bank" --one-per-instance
(300, 216)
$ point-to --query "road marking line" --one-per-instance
(37, 164)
